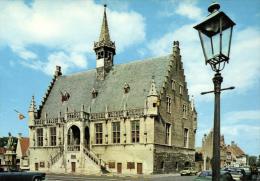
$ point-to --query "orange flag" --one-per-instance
(20, 115)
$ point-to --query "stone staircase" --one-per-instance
(98, 161)
(56, 157)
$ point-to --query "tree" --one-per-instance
(252, 160)
(4, 140)
(258, 161)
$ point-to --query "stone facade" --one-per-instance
(134, 118)
(207, 151)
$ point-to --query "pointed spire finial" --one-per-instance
(153, 91)
(32, 107)
(104, 34)
(192, 103)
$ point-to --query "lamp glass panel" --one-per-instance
(207, 46)
(216, 45)
(225, 41)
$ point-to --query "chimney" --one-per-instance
(58, 71)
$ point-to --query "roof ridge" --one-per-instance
(116, 65)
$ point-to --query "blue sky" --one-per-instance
(37, 35)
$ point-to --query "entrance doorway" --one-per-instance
(87, 137)
(119, 167)
(73, 135)
(73, 167)
(36, 166)
(139, 168)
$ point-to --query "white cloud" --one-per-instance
(243, 115)
(184, 8)
(23, 53)
(61, 58)
(189, 10)
(244, 135)
(245, 58)
(67, 26)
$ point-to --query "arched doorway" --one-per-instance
(187, 164)
(87, 136)
(73, 138)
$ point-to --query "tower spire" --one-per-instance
(105, 50)
(104, 34)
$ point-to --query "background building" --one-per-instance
(2, 160)
(235, 155)
(231, 155)
(22, 149)
(131, 118)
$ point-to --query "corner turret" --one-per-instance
(152, 100)
(32, 112)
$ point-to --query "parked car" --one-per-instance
(188, 171)
(238, 173)
(22, 176)
(207, 175)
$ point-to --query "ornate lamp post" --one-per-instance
(215, 34)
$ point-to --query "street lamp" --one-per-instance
(215, 34)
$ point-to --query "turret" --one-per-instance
(105, 50)
(32, 112)
(152, 100)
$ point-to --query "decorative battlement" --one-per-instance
(48, 121)
(92, 116)
(102, 43)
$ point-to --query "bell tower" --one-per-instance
(105, 50)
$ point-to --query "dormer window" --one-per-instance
(126, 88)
(64, 96)
(94, 93)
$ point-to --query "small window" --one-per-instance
(42, 165)
(39, 136)
(53, 136)
(181, 90)
(167, 131)
(162, 165)
(116, 132)
(186, 137)
(99, 133)
(154, 104)
(173, 82)
(111, 165)
(184, 110)
(168, 104)
(130, 165)
(135, 128)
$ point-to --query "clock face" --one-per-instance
(100, 62)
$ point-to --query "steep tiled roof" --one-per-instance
(235, 150)
(2, 150)
(137, 74)
(24, 145)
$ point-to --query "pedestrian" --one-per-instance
(254, 172)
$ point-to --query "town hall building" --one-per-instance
(134, 118)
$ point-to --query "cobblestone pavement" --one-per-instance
(163, 177)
